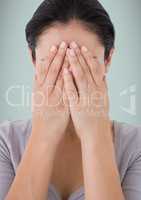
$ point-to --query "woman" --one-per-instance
(71, 149)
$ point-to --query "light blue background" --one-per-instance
(123, 79)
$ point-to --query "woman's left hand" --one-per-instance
(86, 88)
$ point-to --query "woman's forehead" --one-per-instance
(69, 33)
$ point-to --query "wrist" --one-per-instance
(47, 131)
(99, 133)
(44, 141)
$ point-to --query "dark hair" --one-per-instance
(90, 12)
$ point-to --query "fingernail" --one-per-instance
(53, 48)
(74, 45)
(84, 49)
(63, 45)
(71, 52)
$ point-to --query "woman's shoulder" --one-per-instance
(127, 145)
(19, 128)
(13, 139)
(128, 134)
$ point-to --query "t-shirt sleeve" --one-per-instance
(131, 183)
(6, 168)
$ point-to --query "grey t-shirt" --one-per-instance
(127, 142)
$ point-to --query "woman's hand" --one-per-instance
(50, 107)
(86, 90)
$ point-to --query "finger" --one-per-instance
(44, 63)
(77, 71)
(60, 81)
(105, 82)
(65, 97)
(94, 64)
(56, 65)
(70, 89)
(82, 61)
(35, 84)
(35, 95)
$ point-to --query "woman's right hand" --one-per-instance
(50, 108)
